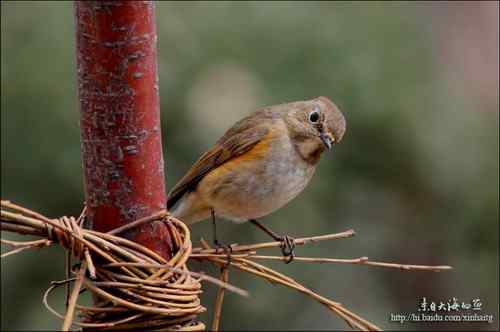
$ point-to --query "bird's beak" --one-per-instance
(327, 140)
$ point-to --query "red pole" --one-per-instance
(120, 118)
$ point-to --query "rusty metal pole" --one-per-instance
(120, 118)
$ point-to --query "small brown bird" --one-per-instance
(259, 165)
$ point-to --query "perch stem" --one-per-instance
(146, 276)
(138, 222)
(201, 276)
(23, 210)
(409, 267)
(70, 311)
(224, 277)
(357, 261)
(23, 245)
(272, 244)
(348, 316)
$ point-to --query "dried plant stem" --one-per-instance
(159, 215)
(249, 251)
(23, 245)
(224, 277)
(276, 277)
(23, 210)
(35, 243)
(357, 261)
(14, 251)
(70, 311)
(298, 241)
(165, 296)
(201, 276)
(246, 265)
(243, 260)
(130, 277)
(409, 267)
(67, 267)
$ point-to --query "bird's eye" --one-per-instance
(314, 117)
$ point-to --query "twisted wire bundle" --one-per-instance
(135, 288)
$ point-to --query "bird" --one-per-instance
(259, 165)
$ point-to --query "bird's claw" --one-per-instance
(287, 248)
(227, 249)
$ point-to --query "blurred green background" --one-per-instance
(416, 175)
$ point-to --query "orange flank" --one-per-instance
(259, 151)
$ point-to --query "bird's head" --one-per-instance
(315, 126)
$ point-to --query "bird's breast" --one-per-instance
(259, 183)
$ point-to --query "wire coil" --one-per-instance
(135, 288)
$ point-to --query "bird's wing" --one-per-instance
(241, 138)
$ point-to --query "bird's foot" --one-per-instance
(227, 249)
(287, 248)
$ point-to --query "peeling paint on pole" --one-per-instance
(120, 117)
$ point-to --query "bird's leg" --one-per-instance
(287, 242)
(214, 228)
(227, 249)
